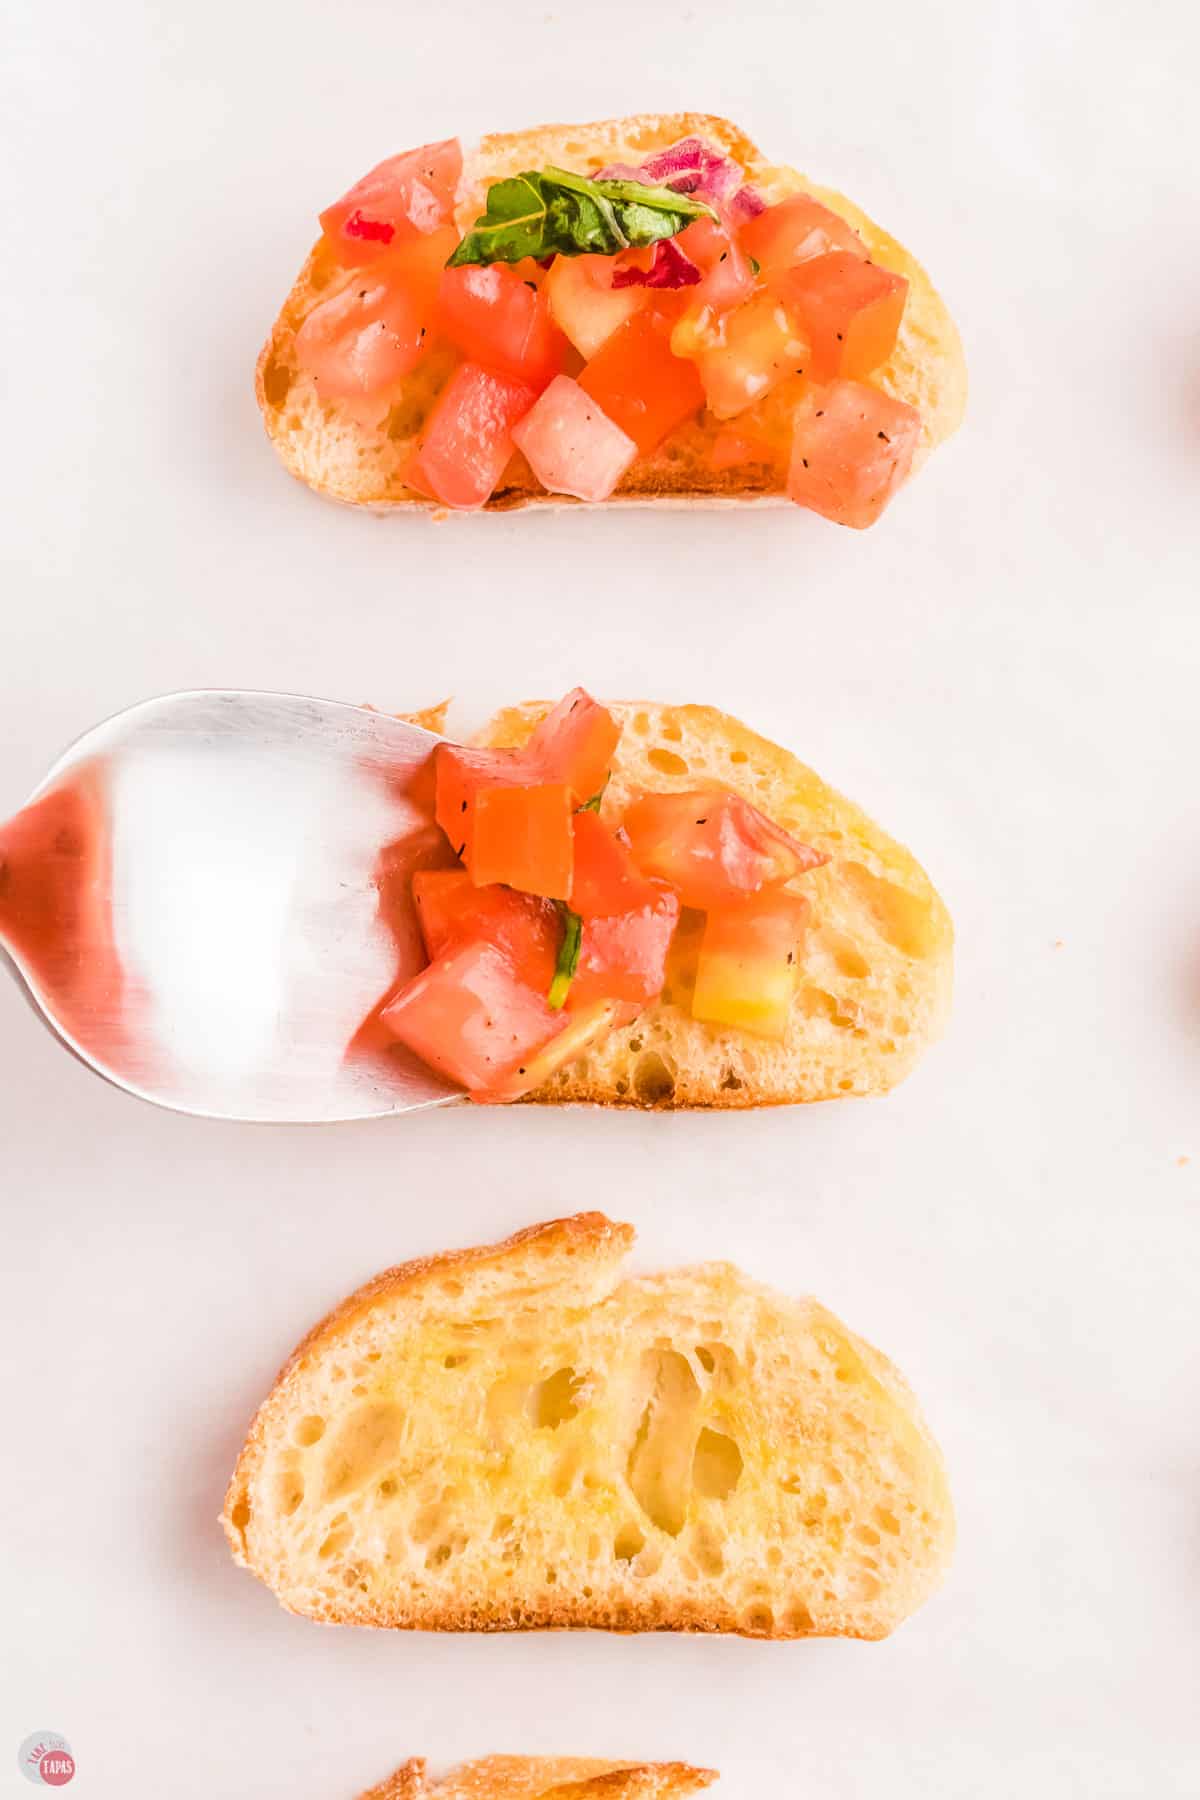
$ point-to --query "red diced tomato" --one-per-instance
(796, 229)
(640, 384)
(606, 878)
(359, 344)
(406, 194)
(713, 847)
(749, 961)
(727, 277)
(469, 1016)
(850, 310)
(585, 305)
(571, 445)
(580, 1032)
(852, 447)
(522, 836)
(453, 912)
(623, 956)
(468, 436)
(574, 743)
(498, 320)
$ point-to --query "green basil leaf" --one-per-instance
(552, 212)
(568, 956)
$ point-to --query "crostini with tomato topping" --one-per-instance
(641, 310)
(651, 906)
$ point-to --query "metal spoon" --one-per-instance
(192, 897)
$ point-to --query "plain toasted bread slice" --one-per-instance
(513, 1437)
(877, 962)
(321, 445)
(543, 1778)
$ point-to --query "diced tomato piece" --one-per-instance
(852, 447)
(522, 837)
(606, 878)
(850, 310)
(585, 305)
(574, 743)
(571, 444)
(453, 912)
(749, 961)
(498, 320)
(469, 1016)
(580, 1032)
(628, 919)
(468, 436)
(641, 385)
(713, 847)
(360, 343)
(727, 277)
(399, 197)
(754, 347)
(796, 229)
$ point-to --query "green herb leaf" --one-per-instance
(593, 805)
(568, 956)
(755, 265)
(551, 212)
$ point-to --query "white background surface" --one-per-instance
(1004, 672)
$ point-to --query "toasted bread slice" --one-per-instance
(512, 1437)
(543, 1778)
(877, 963)
(321, 445)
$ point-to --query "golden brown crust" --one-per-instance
(544, 1778)
(363, 466)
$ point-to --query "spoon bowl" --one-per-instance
(192, 900)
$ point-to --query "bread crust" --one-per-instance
(585, 1250)
(543, 1778)
(361, 466)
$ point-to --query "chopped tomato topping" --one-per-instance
(628, 919)
(571, 444)
(399, 197)
(582, 1030)
(748, 964)
(850, 310)
(360, 343)
(573, 744)
(453, 912)
(713, 847)
(640, 384)
(726, 276)
(752, 349)
(498, 320)
(522, 836)
(606, 878)
(796, 229)
(585, 305)
(471, 1017)
(468, 436)
(852, 448)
